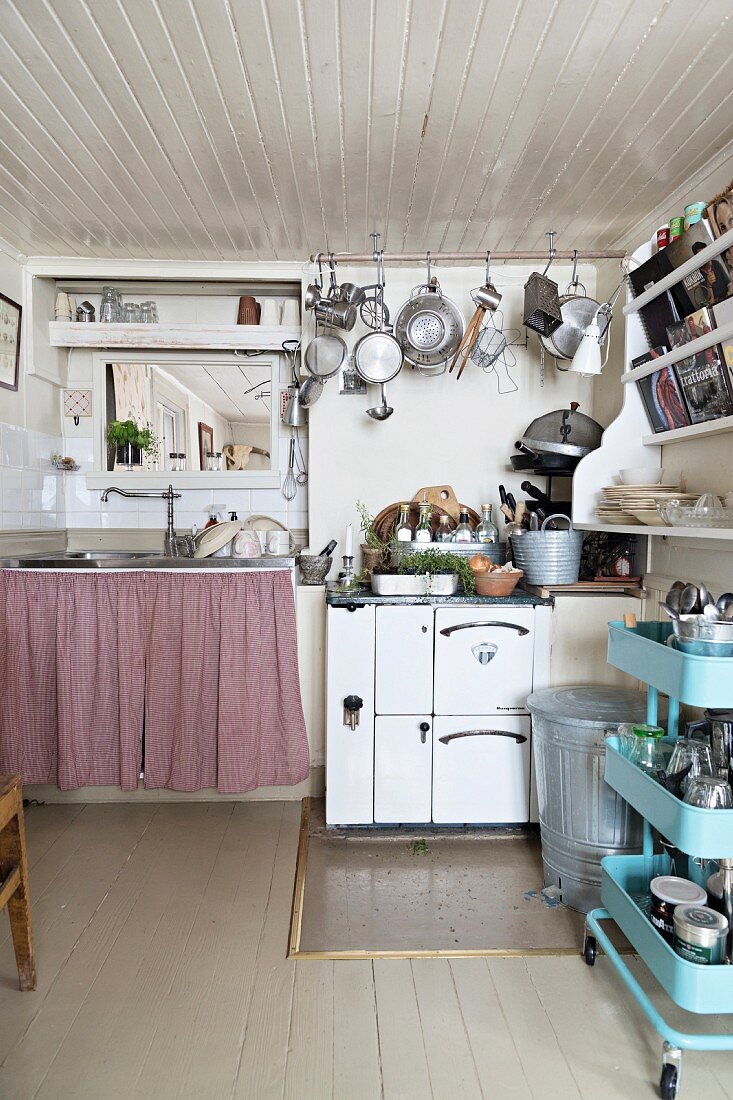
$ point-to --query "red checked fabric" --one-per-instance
(210, 661)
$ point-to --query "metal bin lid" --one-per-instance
(589, 705)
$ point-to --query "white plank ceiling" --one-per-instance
(266, 129)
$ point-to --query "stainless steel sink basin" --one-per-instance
(104, 555)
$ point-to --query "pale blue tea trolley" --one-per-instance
(642, 651)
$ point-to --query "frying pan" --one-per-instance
(532, 460)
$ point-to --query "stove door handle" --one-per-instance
(448, 630)
(518, 737)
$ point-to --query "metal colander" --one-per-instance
(429, 327)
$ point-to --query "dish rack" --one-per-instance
(642, 651)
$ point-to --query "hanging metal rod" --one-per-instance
(469, 257)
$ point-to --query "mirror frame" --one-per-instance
(100, 478)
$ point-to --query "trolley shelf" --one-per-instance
(642, 651)
(699, 832)
(701, 989)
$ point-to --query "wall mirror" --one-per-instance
(188, 420)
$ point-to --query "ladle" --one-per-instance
(383, 411)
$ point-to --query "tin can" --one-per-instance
(700, 934)
(694, 213)
(662, 237)
(676, 228)
(669, 891)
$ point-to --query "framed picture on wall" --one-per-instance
(206, 443)
(10, 319)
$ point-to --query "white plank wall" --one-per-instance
(228, 130)
(161, 936)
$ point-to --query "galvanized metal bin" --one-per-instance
(581, 818)
(549, 557)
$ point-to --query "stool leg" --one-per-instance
(12, 850)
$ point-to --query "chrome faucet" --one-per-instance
(170, 544)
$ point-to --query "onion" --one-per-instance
(479, 563)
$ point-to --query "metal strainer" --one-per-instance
(429, 326)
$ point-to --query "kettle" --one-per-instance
(718, 726)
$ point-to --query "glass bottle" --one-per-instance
(463, 532)
(424, 530)
(646, 752)
(443, 532)
(487, 530)
(403, 531)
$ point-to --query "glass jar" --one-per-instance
(147, 313)
(424, 530)
(444, 532)
(108, 308)
(646, 751)
(487, 531)
(403, 531)
(214, 460)
(463, 532)
(174, 462)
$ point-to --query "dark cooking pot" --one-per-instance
(563, 432)
(532, 460)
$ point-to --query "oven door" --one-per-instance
(481, 770)
(484, 659)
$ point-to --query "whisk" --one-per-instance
(290, 485)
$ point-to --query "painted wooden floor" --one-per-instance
(161, 935)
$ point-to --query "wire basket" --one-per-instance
(541, 304)
(489, 346)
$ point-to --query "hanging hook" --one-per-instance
(574, 278)
(488, 266)
(319, 261)
(380, 267)
(551, 235)
(332, 268)
(429, 263)
(375, 241)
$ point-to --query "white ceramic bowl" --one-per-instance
(641, 475)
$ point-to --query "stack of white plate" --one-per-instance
(635, 504)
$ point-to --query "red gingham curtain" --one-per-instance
(207, 661)
(73, 675)
(223, 702)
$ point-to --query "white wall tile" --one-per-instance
(12, 521)
(12, 490)
(82, 519)
(12, 446)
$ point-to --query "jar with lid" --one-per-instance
(403, 530)
(214, 460)
(443, 532)
(424, 530)
(487, 531)
(463, 532)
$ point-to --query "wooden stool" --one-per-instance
(14, 878)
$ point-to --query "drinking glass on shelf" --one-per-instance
(147, 313)
(109, 308)
(710, 793)
(646, 751)
(132, 313)
(691, 756)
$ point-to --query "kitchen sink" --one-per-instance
(137, 559)
(104, 555)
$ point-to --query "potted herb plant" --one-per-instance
(442, 569)
(373, 549)
(130, 442)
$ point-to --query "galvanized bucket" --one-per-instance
(582, 819)
(549, 557)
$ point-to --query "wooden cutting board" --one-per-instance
(443, 499)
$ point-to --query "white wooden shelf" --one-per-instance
(77, 334)
(670, 532)
(720, 244)
(690, 431)
(724, 332)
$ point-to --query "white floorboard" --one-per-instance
(162, 935)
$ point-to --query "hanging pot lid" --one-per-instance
(564, 432)
(378, 357)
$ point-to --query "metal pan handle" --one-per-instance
(518, 737)
(448, 630)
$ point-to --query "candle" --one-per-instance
(349, 551)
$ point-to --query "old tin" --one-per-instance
(693, 213)
(662, 237)
(669, 891)
(700, 934)
(676, 228)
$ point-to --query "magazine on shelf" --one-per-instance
(703, 378)
(656, 315)
(720, 219)
(723, 313)
(707, 285)
(662, 397)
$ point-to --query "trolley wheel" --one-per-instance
(590, 950)
(668, 1082)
